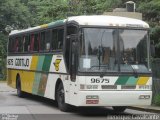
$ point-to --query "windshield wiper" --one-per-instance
(134, 71)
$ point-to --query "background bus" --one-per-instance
(83, 61)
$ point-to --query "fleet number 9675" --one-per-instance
(99, 80)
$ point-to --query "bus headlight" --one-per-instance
(144, 97)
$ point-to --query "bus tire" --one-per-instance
(60, 97)
(119, 109)
(20, 93)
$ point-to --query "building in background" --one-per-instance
(129, 11)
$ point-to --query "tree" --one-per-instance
(151, 13)
(13, 14)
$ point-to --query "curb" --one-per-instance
(144, 109)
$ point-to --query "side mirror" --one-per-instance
(72, 37)
(74, 61)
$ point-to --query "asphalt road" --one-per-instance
(37, 108)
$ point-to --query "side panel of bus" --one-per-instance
(38, 75)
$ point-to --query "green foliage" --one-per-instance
(13, 14)
(150, 10)
(3, 53)
(151, 13)
(156, 99)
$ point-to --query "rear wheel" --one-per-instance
(20, 93)
(119, 109)
(60, 97)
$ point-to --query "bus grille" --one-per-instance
(109, 86)
(128, 87)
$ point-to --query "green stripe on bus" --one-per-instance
(122, 80)
(37, 77)
(40, 62)
(47, 63)
(56, 23)
(42, 84)
(36, 83)
(132, 81)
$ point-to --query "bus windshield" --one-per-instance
(113, 50)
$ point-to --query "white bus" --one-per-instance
(83, 61)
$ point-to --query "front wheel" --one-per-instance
(60, 97)
(119, 109)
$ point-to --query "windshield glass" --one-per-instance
(133, 50)
(111, 50)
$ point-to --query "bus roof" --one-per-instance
(50, 25)
(105, 20)
(96, 20)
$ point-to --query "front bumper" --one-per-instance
(112, 98)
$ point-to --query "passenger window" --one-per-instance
(32, 42)
(57, 39)
(60, 38)
(26, 41)
(23, 43)
(54, 41)
(47, 40)
(36, 42)
(11, 44)
(20, 44)
(42, 41)
(16, 44)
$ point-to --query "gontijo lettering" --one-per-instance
(22, 62)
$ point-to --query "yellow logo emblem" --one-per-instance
(56, 64)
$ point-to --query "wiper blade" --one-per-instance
(135, 71)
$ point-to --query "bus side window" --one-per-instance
(20, 44)
(47, 40)
(36, 42)
(60, 38)
(57, 39)
(23, 43)
(31, 42)
(54, 41)
(16, 42)
(42, 41)
(10, 45)
(26, 43)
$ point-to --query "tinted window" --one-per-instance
(47, 40)
(16, 44)
(42, 41)
(57, 39)
(36, 42)
(54, 40)
(10, 44)
(26, 41)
